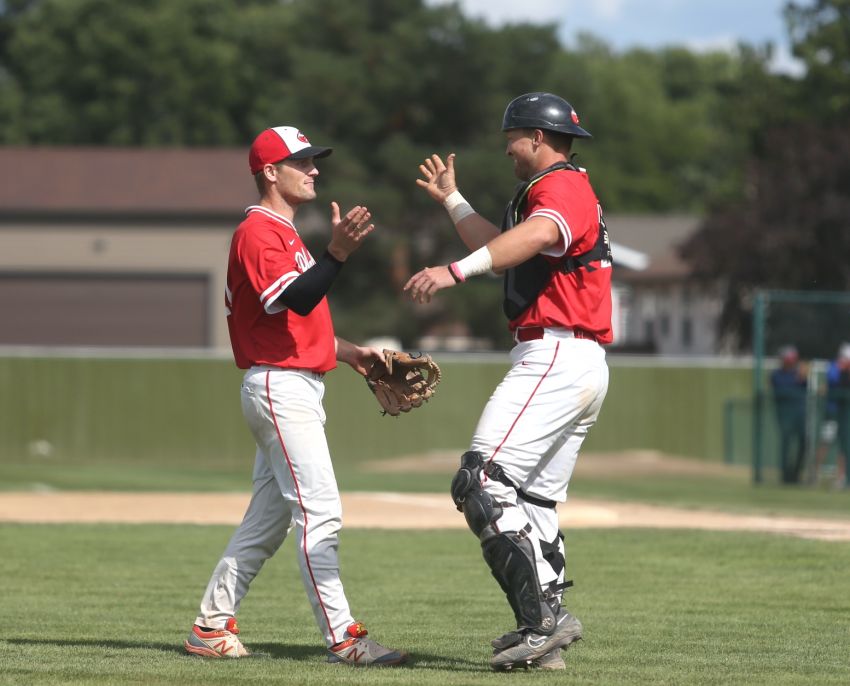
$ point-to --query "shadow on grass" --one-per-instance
(259, 651)
(97, 643)
(277, 651)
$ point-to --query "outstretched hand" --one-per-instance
(438, 177)
(348, 232)
(422, 285)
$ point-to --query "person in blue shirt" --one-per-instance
(789, 396)
(835, 428)
(838, 396)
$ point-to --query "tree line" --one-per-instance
(387, 82)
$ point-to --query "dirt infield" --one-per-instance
(384, 511)
(423, 511)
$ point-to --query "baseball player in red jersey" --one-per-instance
(553, 249)
(281, 333)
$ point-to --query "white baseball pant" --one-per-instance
(533, 426)
(294, 487)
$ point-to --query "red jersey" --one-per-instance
(266, 255)
(580, 299)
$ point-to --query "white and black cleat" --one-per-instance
(532, 646)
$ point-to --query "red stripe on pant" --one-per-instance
(527, 402)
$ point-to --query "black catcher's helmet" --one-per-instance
(542, 111)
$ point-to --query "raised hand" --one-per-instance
(348, 232)
(438, 177)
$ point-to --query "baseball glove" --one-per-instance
(407, 381)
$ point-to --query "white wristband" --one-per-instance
(478, 262)
(457, 206)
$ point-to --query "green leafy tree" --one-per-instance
(790, 228)
(791, 232)
(659, 142)
(144, 73)
(820, 34)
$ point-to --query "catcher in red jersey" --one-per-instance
(554, 252)
(282, 335)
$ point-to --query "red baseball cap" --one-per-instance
(280, 143)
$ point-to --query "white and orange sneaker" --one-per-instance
(359, 651)
(216, 642)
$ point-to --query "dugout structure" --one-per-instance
(817, 323)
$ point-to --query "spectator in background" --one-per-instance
(789, 397)
(838, 393)
(835, 428)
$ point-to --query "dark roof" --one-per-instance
(54, 180)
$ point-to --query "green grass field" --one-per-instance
(108, 604)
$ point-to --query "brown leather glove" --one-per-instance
(407, 381)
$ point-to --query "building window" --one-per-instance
(649, 331)
(687, 332)
(664, 325)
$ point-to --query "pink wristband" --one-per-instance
(455, 272)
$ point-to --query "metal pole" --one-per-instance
(728, 429)
(759, 307)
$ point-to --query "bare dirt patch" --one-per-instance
(424, 511)
(383, 511)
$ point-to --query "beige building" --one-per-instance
(122, 247)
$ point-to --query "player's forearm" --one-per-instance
(307, 291)
(506, 250)
(518, 245)
(359, 358)
(474, 230)
(346, 351)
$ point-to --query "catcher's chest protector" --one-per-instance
(525, 282)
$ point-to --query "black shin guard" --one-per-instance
(509, 554)
(510, 557)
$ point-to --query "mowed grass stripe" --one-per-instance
(111, 604)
